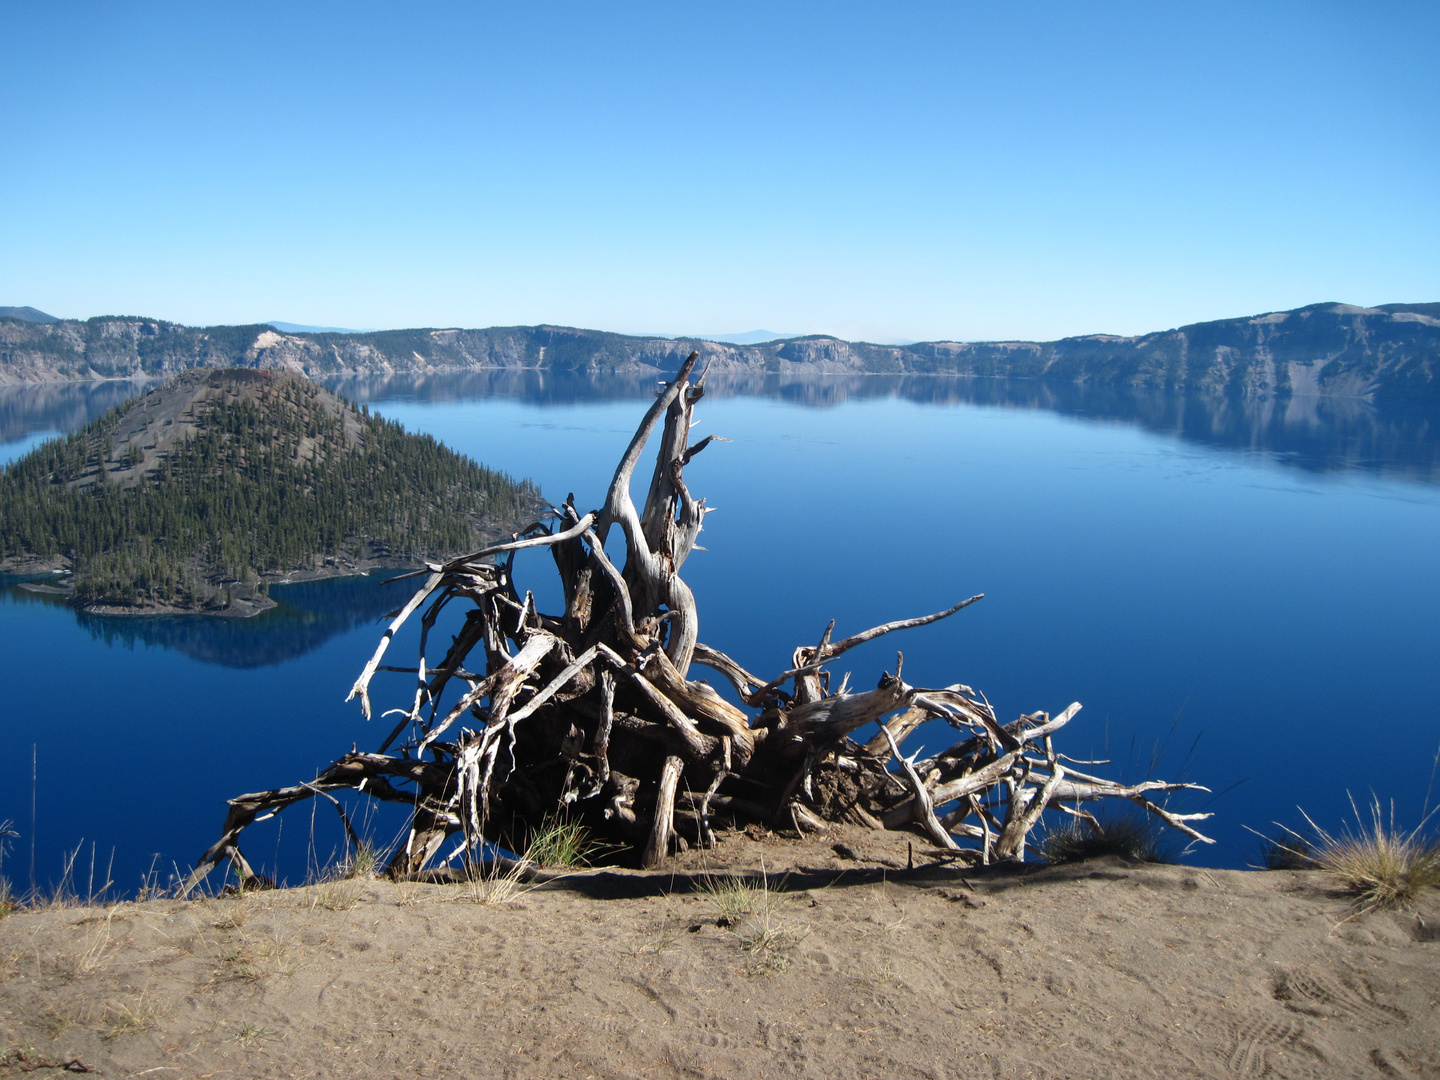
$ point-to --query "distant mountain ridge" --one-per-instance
(26, 314)
(1391, 352)
(303, 328)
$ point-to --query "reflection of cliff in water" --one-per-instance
(530, 385)
(26, 408)
(306, 615)
(1319, 434)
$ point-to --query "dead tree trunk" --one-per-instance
(592, 712)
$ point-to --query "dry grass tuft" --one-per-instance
(8, 903)
(130, 1018)
(337, 894)
(497, 888)
(406, 893)
(663, 941)
(365, 861)
(238, 962)
(1381, 866)
(88, 953)
(561, 842)
(9, 964)
(734, 897)
(248, 1034)
(768, 944)
(253, 957)
(67, 893)
(53, 1021)
(750, 910)
(232, 911)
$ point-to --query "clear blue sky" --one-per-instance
(881, 171)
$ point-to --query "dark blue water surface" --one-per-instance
(1243, 594)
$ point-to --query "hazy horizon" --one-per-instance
(745, 337)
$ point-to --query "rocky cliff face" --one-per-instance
(112, 347)
(1328, 349)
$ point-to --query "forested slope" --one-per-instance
(192, 495)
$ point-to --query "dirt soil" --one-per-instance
(846, 967)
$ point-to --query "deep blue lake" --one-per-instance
(1243, 594)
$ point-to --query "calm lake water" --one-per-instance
(1241, 594)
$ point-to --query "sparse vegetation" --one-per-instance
(130, 1018)
(1379, 864)
(561, 842)
(663, 941)
(8, 903)
(365, 861)
(53, 1022)
(750, 910)
(406, 894)
(733, 897)
(497, 886)
(88, 952)
(335, 894)
(1130, 836)
(233, 912)
(248, 1034)
(1287, 849)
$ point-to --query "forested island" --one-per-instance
(198, 494)
(1389, 353)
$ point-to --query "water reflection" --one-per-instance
(530, 385)
(306, 615)
(28, 408)
(1318, 434)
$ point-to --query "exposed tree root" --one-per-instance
(592, 711)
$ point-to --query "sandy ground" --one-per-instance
(1098, 969)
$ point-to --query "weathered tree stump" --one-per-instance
(592, 712)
